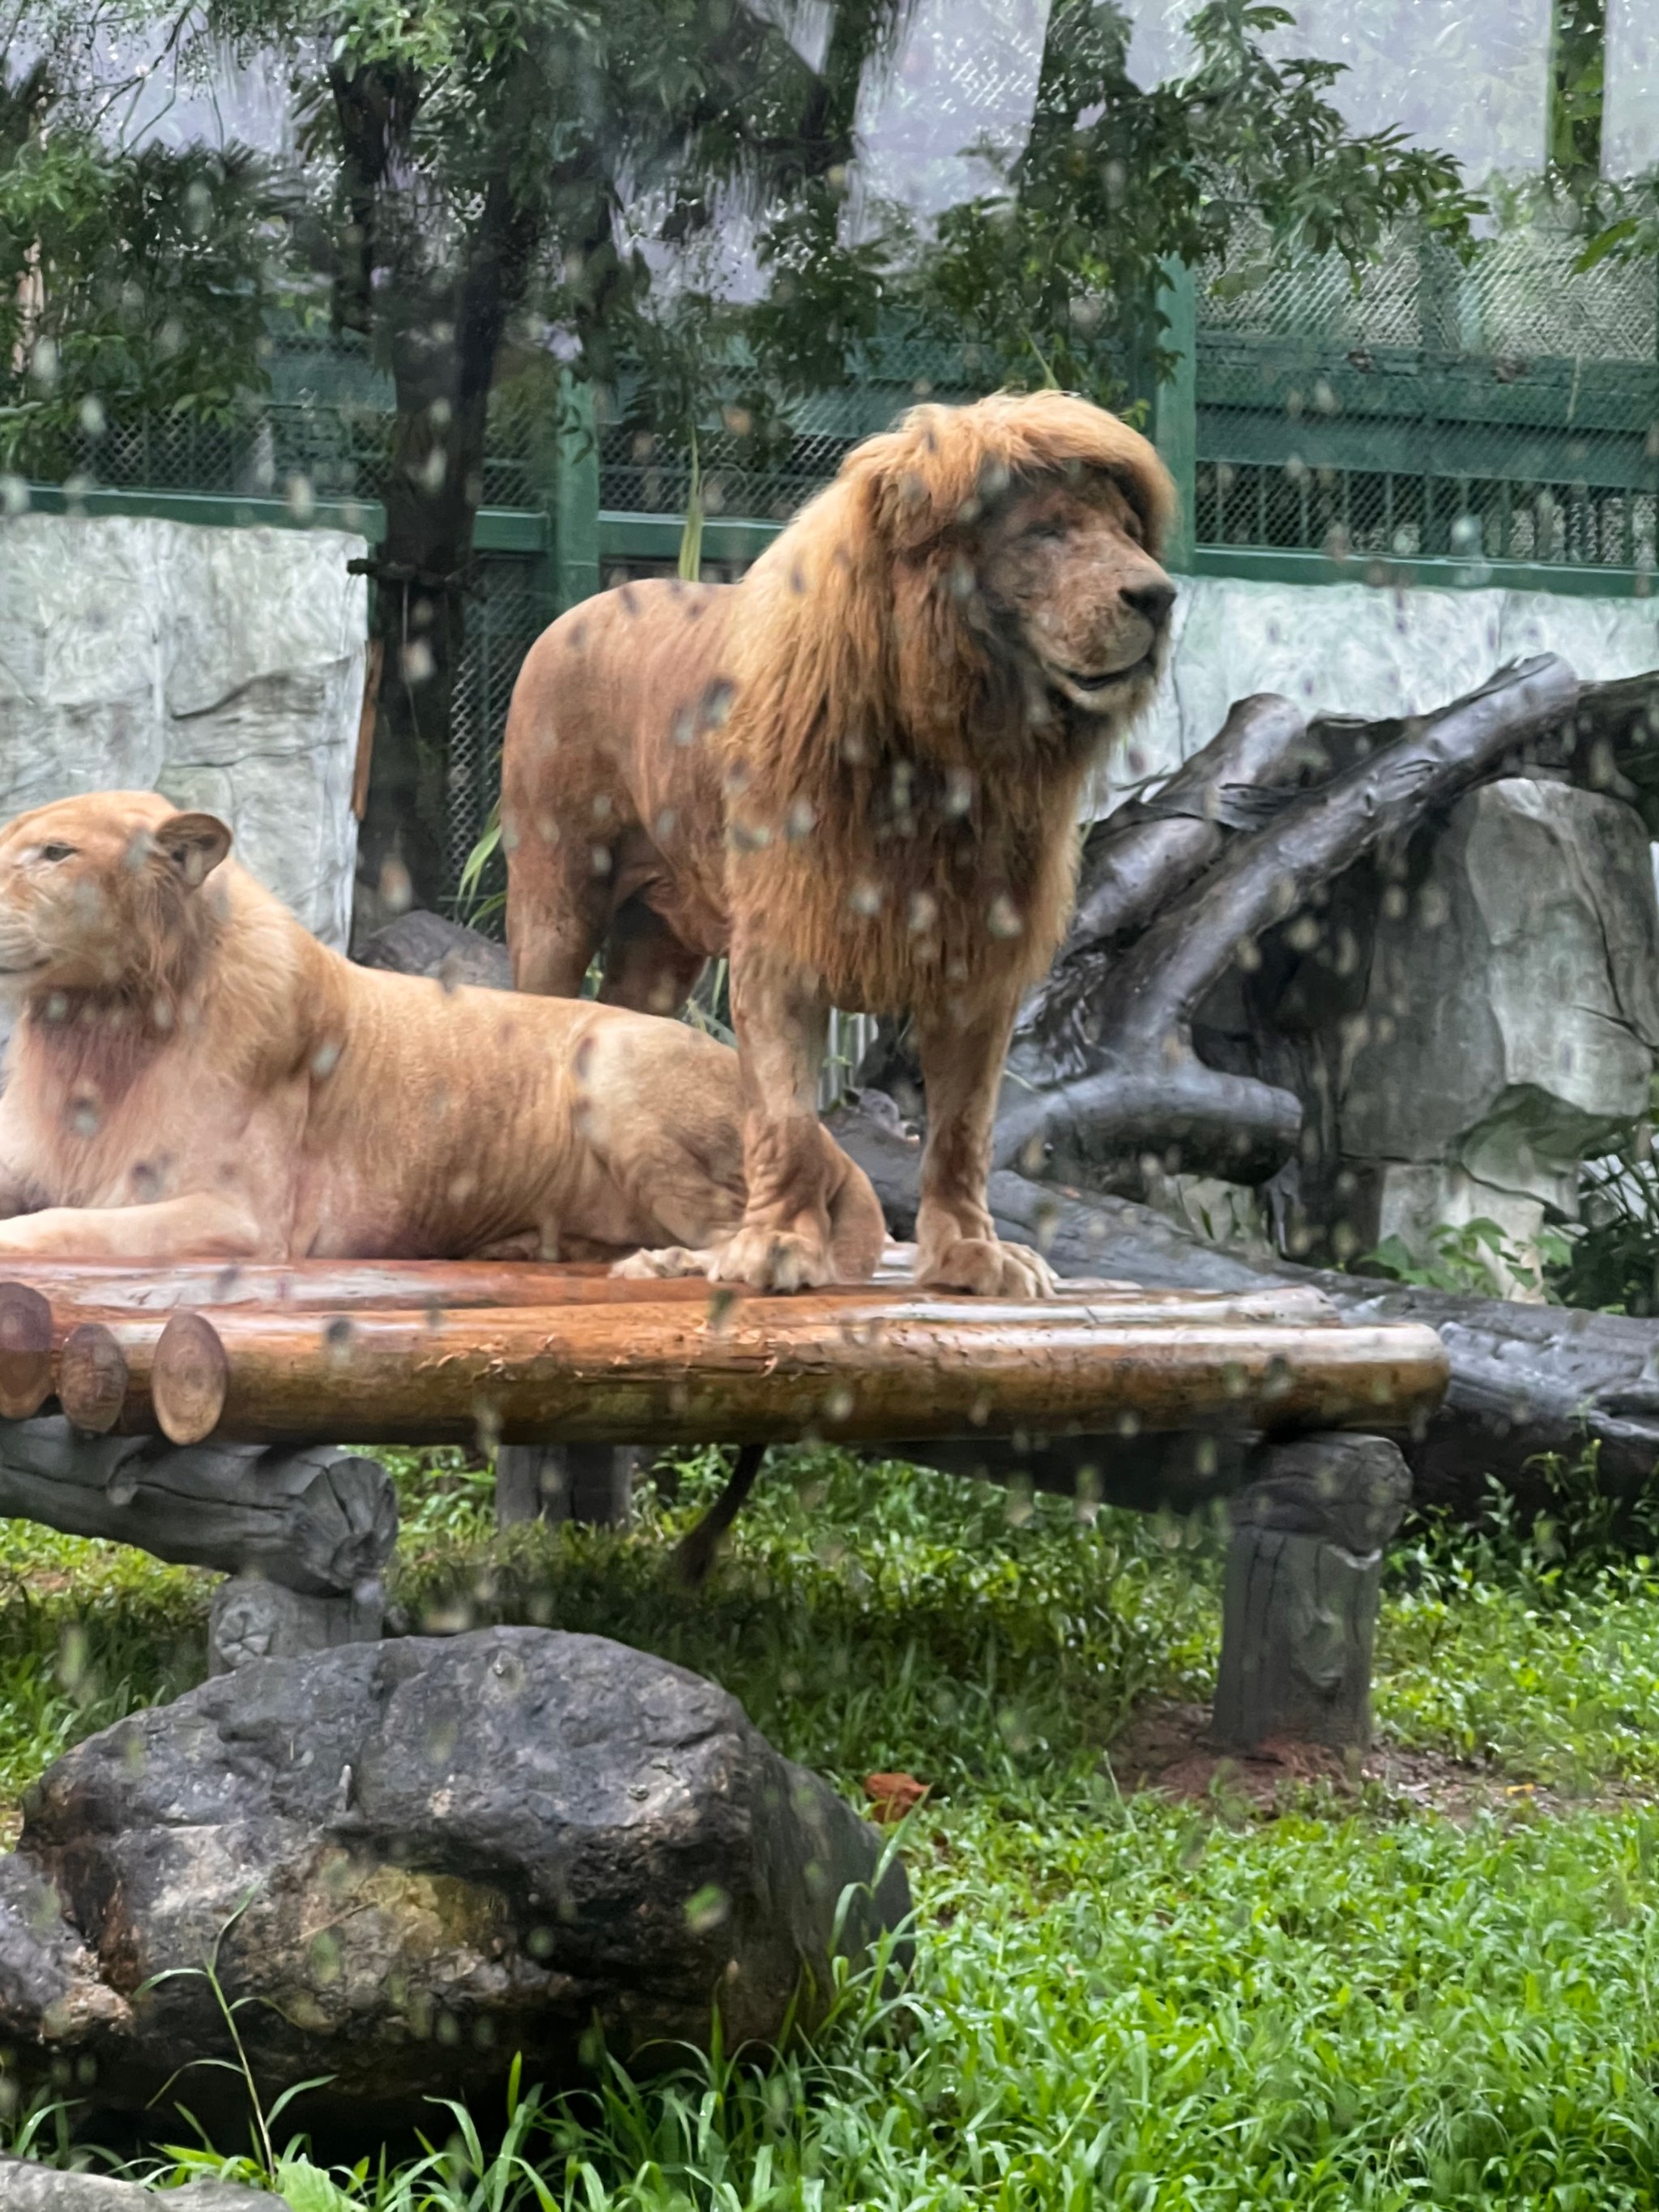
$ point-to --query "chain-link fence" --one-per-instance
(1507, 410)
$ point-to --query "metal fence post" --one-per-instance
(1175, 404)
(576, 495)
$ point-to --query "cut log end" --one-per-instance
(93, 1377)
(25, 1351)
(189, 1379)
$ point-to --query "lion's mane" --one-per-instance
(879, 749)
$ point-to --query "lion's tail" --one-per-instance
(858, 1228)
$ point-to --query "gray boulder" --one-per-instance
(420, 1857)
(422, 943)
(26, 2187)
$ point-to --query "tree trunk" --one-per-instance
(1304, 1578)
(320, 1522)
(1144, 1088)
(440, 329)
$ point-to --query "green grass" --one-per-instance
(1115, 2003)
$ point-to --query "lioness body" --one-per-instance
(194, 1075)
(857, 770)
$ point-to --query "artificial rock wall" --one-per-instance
(1507, 1025)
(222, 666)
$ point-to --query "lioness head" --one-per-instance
(1043, 517)
(101, 893)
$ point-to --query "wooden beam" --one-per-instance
(319, 1521)
(775, 1371)
(105, 1358)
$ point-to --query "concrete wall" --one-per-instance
(1353, 649)
(222, 667)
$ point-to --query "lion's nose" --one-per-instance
(1150, 601)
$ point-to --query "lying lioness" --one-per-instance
(193, 1076)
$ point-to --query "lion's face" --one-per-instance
(92, 891)
(1063, 573)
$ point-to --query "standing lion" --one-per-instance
(857, 770)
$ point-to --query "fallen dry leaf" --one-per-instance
(892, 1796)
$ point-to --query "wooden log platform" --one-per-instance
(522, 1353)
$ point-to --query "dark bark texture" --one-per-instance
(1528, 1382)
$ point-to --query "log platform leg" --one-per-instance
(591, 1483)
(1305, 1571)
(253, 1619)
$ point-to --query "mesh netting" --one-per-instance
(506, 613)
(1506, 410)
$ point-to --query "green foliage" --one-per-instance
(1612, 1261)
(88, 1633)
(1473, 1257)
(1059, 274)
(1115, 2001)
(876, 1615)
(130, 283)
(473, 903)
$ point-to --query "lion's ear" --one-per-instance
(194, 844)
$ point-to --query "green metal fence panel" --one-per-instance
(1508, 411)
(1493, 424)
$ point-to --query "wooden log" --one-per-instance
(105, 1290)
(1304, 1572)
(1529, 1384)
(25, 1351)
(94, 1377)
(319, 1521)
(99, 1353)
(774, 1370)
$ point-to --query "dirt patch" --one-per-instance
(1168, 1747)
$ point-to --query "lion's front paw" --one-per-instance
(772, 1260)
(987, 1269)
(671, 1263)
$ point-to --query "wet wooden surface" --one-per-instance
(772, 1370)
(453, 1352)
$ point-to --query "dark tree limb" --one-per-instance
(1527, 1381)
(1146, 853)
(321, 1522)
(1147, 1091)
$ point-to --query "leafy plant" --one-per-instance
(132, 285)
(1472, 1257)
(1611, 1262)
(261, 2118)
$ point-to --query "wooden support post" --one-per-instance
(252, 1619)
(591, 1483)
(1303, 1574)
(767, 1370)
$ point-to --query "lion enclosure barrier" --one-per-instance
(200, 1414)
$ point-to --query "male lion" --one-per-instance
(858, 770)
(194, 1076)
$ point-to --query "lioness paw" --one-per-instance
(672, 1262)
(987, 1268)
(772, 1260)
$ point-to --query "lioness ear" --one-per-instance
(194, 844)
